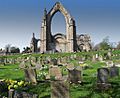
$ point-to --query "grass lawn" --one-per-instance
(11, 71)
(85, 90)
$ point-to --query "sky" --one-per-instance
(20, 18)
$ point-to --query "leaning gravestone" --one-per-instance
(102, 78)
(30, 75)
(114, 71)
(29, 71)
(59, 89)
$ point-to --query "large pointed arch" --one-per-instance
(59, 7)
(46, 36)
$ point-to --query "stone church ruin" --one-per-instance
(69, 42)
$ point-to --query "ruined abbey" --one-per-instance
(69, 42)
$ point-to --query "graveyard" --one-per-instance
(92, 74)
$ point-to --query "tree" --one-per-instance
(14, 50)
(105, 44)
(26, 50)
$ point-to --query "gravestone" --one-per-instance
(11, 93)
(114, 71)
(63, 60)
(109, 54)
(102, 75)
(96, 56)
(2, 61)
(59, 89)
(24, 95)
(3, 86)
(100, 58)
(54, 62)
(30, 75)
(55, 71)
(33, 60)
(29, 72)
(83, 58)
(74, 74)
(22, 65)
(75, 56)
(59, 60)
(110, 63)
(102, 79)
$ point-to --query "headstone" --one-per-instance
(74, 75)
(100, 58)
(102, 79)
(3, 61)
(109, 54)
(22, 65)
(38, 66)
(63, 60)
(11, 93)
(54, 61)
(24, 95)
(33, 60)
(3, 86)
(30, 75)
(102, 75)
(59, 89)
(29, 71)
(75, 56)
(70, 66)
(110, 63)
(83, 58)
(96, 56)
(114, 71)
(59, 60)
(55, 71)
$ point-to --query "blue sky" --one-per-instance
(20, 18)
